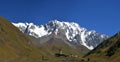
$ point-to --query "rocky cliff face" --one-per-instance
(70, 32)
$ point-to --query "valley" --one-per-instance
(20, 43)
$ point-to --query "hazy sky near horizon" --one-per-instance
(100, 15)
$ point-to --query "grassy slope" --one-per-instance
(16, 47)
(53, 46)
(108, 51)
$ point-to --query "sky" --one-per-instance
(100, 15)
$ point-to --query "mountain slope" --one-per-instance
(68, 31)
(15, 46)
(108, 49)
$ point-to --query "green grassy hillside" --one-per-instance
(16, 47)
(52, 46)
(108, 51)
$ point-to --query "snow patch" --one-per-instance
(83, 38)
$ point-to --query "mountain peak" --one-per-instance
(69, 31)
(62, 23)
(118, 32)
(54, 21)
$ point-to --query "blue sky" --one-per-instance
(100, 15)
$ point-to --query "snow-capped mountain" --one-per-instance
(71, 31)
